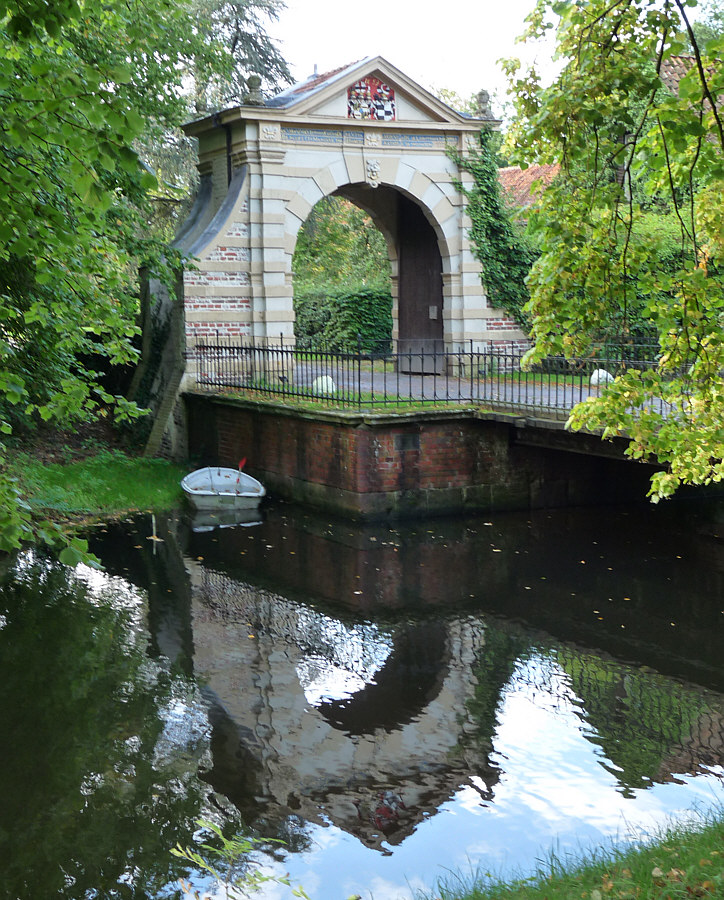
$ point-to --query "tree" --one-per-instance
(341, 279)
(626, 145)
(85, 87)
(709, 24)
(77, 89)
(240, 27)
(339, 247)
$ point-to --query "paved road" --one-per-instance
(361, 385)
(510, 390)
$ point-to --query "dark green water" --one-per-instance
(390, 702)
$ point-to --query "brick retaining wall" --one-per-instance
(370, 466)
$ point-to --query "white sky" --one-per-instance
(452, 44)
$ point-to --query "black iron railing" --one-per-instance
(416, 373)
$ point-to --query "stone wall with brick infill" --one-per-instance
(376, 466)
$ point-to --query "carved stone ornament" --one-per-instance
(373, 172)
(372, 139)
(270, 132)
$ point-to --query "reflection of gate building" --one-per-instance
(365, 132)
(335, 716)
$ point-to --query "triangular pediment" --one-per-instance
(369, 91)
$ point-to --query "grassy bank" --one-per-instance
(105, 484)
(686, 861)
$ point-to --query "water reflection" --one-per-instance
(389, 701)
(381, 747)
(101, 745)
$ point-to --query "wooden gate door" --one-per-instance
(421, 343)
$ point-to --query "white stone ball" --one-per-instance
(323, 385)
(601, 376)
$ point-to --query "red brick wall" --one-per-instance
(369, 466)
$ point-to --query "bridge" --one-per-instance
(361, 435)
(419, 375)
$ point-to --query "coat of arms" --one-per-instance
(371, 98)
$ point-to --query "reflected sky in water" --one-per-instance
(395, 703)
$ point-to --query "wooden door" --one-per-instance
(419, 291)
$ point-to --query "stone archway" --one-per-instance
(365, 132)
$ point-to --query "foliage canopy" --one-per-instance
(82, 87)
(627, 145)
(342, 280)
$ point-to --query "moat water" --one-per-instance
(396, 704)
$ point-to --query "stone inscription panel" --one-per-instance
(334, 136)
(313, 135)
(414, 141)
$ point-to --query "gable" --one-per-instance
(371, 90)
(371, 98)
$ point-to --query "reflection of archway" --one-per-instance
(400, 734)
(408, 681)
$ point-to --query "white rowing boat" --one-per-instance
(216, 487)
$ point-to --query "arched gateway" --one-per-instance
(365, 132)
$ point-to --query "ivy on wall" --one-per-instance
(500, 245)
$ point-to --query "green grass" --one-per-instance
(684, 863)
(340, 402)
(108, 483)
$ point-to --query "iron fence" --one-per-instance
(416, 373)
